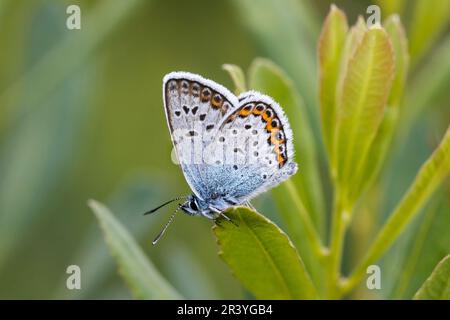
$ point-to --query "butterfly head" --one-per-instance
(193, 206)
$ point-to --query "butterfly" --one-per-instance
(230, 148)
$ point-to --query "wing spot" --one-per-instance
(256, 153)
(194, 110)
(246, 111)
(192, 133)
(217, 101)
(185, 86)
(206, 94)
(254, 132)
(259, 109)
(195, 89)
(235, 167)
(186, 109)
(234, 131)
(255, 143)
(225, 107)
(202, 117)
(209, 127)
(248, 126)
(280, 135)
(267, 115)
(172, 85)
(178, 113)
(222, 139)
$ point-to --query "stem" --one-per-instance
(313, 236)
(427, 180)
(341, 216)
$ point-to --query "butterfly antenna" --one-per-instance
(164, 204)
(161, 233)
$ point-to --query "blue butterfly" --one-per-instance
(230, 148)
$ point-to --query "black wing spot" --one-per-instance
(177, 113)
(202, 117)
(192, 133)
(248, 126)
(186, 109)
(209, 127)
(194, 110)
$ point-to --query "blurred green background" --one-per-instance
(81, 116)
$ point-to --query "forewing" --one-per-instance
(195, 107)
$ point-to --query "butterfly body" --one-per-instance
(230, 148)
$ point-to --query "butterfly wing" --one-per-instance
(261, 151)
(195, 107)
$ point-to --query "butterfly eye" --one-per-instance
(193, 205)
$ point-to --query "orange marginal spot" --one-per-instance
(267, 115)
(246, 111)
(281, 160)
(273, 137)
(205, 94)
(217, 101)
(259, 109)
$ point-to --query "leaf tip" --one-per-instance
(93, 204)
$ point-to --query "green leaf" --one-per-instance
(141, 276)
(437, 286)
(352, 42)
(361, 106)
(270, 79)
(382, 141)
(331, 43)
(238, 77)
(430, 176)
(429, 20)
(300, 200)
(396, 32)
(262, 257)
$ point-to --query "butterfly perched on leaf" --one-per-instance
(230, 148)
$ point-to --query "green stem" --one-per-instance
(313, 236)
(427, 180)
(341, 217)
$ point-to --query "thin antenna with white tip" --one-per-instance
(166, 226)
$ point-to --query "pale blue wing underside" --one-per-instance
(224, 151)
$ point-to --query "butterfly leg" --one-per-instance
(221, 214)
(248, 204)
